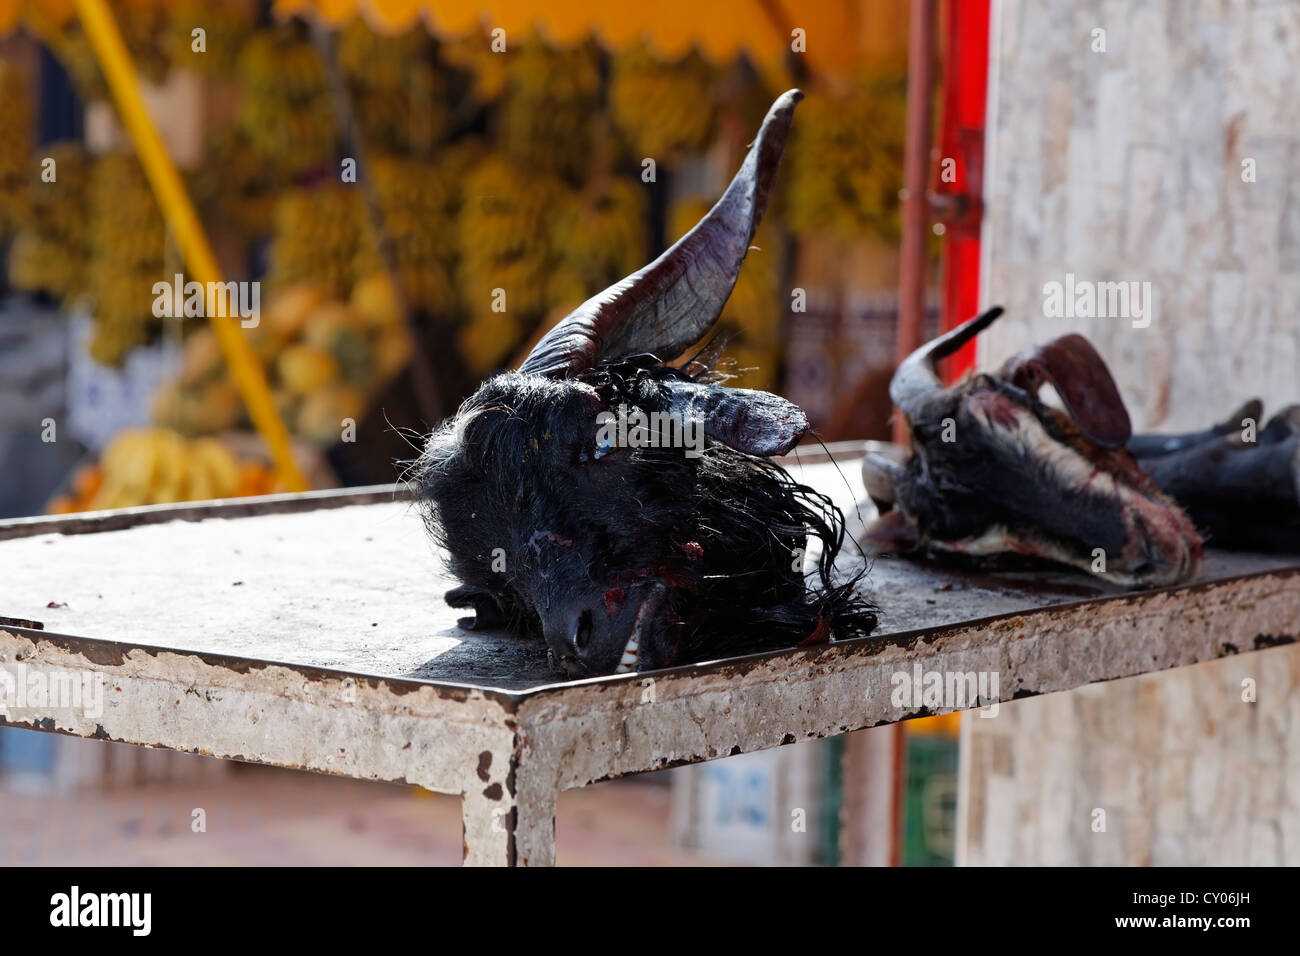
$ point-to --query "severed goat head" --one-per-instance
(566, 517)
(995, 469)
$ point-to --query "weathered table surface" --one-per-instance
(310, 632)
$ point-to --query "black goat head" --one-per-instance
(566, 515)
(1240, 483)
(995, 469)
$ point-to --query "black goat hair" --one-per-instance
(701, 555)
(1238, 480)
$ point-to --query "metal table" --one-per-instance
(309, 631)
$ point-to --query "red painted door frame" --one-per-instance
(961, 139)
(956, 201)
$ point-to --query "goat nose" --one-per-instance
(570, 633)
(580, 636)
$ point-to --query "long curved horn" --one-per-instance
(672, 302)
(917, 377)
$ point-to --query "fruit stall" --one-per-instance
(419, 191)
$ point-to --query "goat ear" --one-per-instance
(1072, 366)
(757, 423)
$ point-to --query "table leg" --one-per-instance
(503, 832)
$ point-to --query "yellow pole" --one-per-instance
(115, 61)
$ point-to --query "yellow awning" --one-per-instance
(837, 33)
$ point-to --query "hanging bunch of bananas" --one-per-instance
(376, 60)
(751, 320)
(599, 235)
(845, 161)
(50, 252)
(152, 466)
(127, 240)
(547, 119)
(400, 98)
(457, 158)
(15, 142)
(286, 113)
(226, 26)
(420, 203)
(233, 184)
(505, 256)
(391, 120)
(317, 234)
(144, 29)
(143, 24)
(662, 108)
(71, 47)
(473, 55)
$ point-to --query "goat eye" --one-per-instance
(604, 445)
